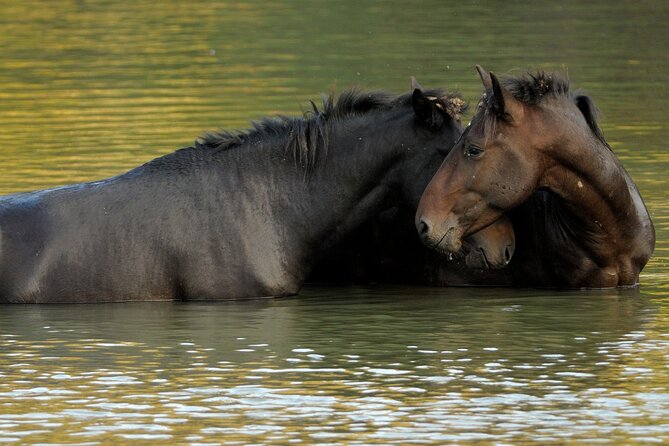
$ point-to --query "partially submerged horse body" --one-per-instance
(237, 215)
(387, 249)
(533, 144)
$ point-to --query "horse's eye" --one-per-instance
(473, 152)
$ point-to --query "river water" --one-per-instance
(89, 89)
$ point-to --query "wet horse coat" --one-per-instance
(535, 150)
(237, 215)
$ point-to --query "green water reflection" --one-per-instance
(373, 366)
(89, 89)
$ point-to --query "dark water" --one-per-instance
(90, 89)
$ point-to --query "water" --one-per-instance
(90, 89)
(360, 366)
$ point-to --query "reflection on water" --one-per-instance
(89, 89)
(358, 366)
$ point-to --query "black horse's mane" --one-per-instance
(307, 135)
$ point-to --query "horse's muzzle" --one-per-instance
(446, 237)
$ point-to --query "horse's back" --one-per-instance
(72, 244)
(130, 238)
(22, 233)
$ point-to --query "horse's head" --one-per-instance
(528, 134)
(488, 172)
(491, 247)
(436, 128)
(433, 127)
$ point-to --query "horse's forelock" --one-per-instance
(455, 105)
(486, 115)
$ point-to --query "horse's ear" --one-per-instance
(587, 107)
(485, 77)
(427, 109)
(415, 85)
(505, 106)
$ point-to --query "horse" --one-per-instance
(535, 150)
(239, 214)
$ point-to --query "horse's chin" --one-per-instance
(477, 259)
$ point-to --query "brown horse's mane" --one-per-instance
(532, 89)
(307, 135)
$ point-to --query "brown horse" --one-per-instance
(535, 144)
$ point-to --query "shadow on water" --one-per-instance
(375, 321)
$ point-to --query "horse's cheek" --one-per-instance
(516, 181)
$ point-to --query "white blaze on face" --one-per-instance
(579, 184)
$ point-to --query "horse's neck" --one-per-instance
(596, 190)
(589, 184)
(355, 182)
(339, 193)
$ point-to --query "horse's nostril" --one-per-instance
(423, 228)
(507, 254)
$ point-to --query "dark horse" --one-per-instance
(533, 144)
(237, 215)
(388, 250)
